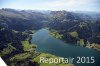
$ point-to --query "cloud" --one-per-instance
(81, 5)
(69, 5)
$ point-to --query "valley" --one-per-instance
(25, 35)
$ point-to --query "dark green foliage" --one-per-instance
(17, 25)
(86, 25)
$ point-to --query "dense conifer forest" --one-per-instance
(18, 26)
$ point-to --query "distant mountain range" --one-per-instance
(80, 28)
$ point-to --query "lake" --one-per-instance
(46, 43)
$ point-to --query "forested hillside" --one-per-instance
(81, 29)
(74, 26)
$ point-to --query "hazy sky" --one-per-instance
(73, 5)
